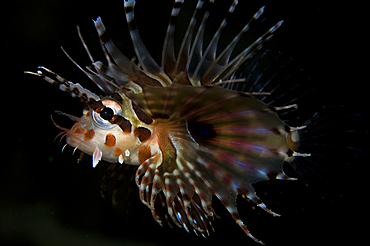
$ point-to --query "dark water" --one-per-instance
(46, 198)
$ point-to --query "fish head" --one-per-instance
(105, 131)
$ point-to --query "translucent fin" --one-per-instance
(121, 60)
(335, 137)
(98, 79)
(112, 70)
(191, 66)
(76, 90)
(223, 59)
(210, 53)
(212, 150)
(96, 157)
(146, 61)
(168, 53)
(196, 49)
(184, 52)
(127, 66)
(247, 53)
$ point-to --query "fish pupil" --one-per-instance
(107, 113)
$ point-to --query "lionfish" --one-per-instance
(191, 133)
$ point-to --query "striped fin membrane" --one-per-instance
(75, 89)
(191, 66)
(212, 150)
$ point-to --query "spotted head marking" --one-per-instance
(111, 128)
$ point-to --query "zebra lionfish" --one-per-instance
(190, 136)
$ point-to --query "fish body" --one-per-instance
(188, 142)
(190, 138)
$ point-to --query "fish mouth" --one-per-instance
(70, 138)
(65, 130)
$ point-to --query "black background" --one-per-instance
(46, 198)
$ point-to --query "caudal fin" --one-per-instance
(337, 139)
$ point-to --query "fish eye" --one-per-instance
(102, 115)
(107, 113)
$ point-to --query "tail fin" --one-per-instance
(336, 125)
(337, 139)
